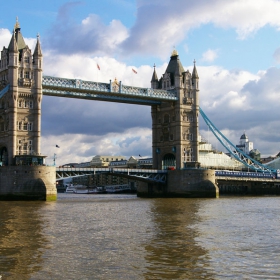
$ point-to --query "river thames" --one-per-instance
(125, 237)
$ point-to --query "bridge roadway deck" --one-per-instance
(147, 175)
(246, 179)
(75, 88)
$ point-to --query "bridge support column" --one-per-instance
(188, 183)
(28, 183)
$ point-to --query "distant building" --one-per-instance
(255, 154)
(145, 163)
(211, 158)
(244, 144)
(104, 161)
(124, 163)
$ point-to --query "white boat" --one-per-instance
(118, 189)
(70, 188)
(81, 190)
(98, 190)
(77, 189)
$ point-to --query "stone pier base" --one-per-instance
(28, 183)
(183, 183)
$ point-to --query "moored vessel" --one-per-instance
(118, 189)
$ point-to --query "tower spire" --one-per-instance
(13, 43)
(194, 73)
(17, 26)
(155, 77)
(37, 50)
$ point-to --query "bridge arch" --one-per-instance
(168, 161)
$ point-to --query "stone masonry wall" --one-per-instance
(183, 183)
(28, 183)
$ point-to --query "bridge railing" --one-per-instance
(90, 86)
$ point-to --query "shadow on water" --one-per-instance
(21, 239)
(173, 252)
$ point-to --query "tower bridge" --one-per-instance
(174, 102)
(113, 91)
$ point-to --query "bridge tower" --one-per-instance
(175, 125)
(20, 117)
(175, 137)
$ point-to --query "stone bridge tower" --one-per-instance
(20, 102)
(175, 125)
(23, 175)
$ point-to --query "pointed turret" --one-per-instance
(195, 78)
(174, 68)
(194, 73)
(18, 37)
(13, 48)
(37, 50)
(154, 81)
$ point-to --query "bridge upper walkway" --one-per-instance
(76, 88)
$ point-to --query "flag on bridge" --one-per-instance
(98, 67)
(57, 146)
(134, 71)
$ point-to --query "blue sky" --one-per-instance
(236, 45)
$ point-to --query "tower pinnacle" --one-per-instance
(17, 26)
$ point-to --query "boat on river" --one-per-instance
(98, 190)
(118, 189)
(82, 189)
(70, 188)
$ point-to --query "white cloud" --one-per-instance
(221, 87)
(5, 37)
(238, 100)
(81, 147)
(91, 36)
(209, 55)
(162, 24)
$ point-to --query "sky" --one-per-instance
(236, 45)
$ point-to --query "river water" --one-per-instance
(125, 237)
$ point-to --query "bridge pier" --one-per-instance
(28, 183)
(188, 183)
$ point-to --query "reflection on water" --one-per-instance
(21, 239)
(172, 253)
(125, 237)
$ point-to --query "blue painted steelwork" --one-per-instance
(234, 151)
(258, 175)
(4, 90)
(113, 92)
(151, 175)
